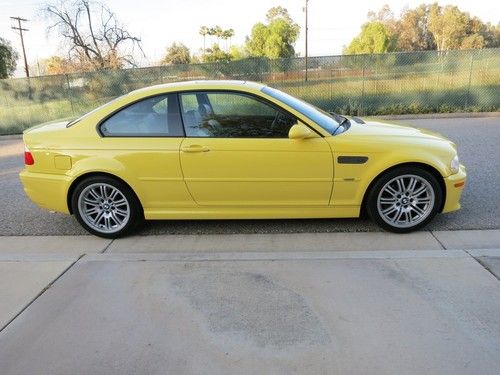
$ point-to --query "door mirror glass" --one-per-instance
(300, 131)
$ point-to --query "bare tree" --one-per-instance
(95, 39)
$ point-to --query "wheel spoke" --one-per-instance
(418, 209)
(119, 211)
(422, 200)
(93, 210)
(391, 190)
(102, 190)
(91, 202)
(389, 210)
(391, 200)
(412, 185)
(398, 215)
(94, 194)
(400, 185)
(419, 191)
(113, 194)
(99, 217)
(120, 202)
(115, 218)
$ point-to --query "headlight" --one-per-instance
(455, 165)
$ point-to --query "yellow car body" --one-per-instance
(237, 178)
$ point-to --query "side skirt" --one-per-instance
(204, 213)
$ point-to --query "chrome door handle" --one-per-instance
(195, 148)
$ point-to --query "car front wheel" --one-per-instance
(105, 207)
(404, 199)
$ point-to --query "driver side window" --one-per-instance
(232, 115)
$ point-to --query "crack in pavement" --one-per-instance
(47, 287)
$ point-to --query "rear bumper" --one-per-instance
(48, 191)
(454, 188)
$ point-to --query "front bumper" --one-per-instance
(454, 188)
(48, 191)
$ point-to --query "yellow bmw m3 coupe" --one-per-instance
(235, 150)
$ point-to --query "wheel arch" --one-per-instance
(84, 176)
(426, 167)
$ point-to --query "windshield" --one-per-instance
(320, 117)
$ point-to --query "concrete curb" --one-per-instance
(68, 245)
(251, 243)
(9, 137)
(266, 256)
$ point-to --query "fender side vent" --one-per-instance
(352, 159)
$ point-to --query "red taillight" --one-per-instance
(28, 158)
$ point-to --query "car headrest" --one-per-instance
(204, 110)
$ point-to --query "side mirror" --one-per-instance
(300, 131)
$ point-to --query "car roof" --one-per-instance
(199, 84)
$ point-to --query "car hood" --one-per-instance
(377, 128)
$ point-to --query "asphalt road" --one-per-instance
(478, 140)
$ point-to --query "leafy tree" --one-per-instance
(448, 25)
(278, 12)
(412, 30)
(237, 53)
(215, 54)
(492, 36)
(227, 35)
(58, 65)
(92, 34)
(177, 53)
(203, 32)
(431, 26)
(8, 59)
(473, 41)
(374, 38)
(274, 39)
(218, 32)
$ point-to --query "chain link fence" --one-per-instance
(392, 83)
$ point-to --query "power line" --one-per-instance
(21, 29)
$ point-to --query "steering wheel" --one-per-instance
(275, 120)
(279, 121)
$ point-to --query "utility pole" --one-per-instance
(20, 29)
(305, 10)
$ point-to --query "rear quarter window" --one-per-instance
(155, 116)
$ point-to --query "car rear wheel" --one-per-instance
(105, 207)
(404, 199)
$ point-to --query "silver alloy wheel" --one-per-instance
(405, 201)
(104, 207)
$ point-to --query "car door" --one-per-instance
(142, 141)
(237, 153)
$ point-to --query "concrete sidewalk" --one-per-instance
(311, 303)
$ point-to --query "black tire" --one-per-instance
(375, 191)
(134, 207)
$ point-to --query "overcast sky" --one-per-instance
(160, 22)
